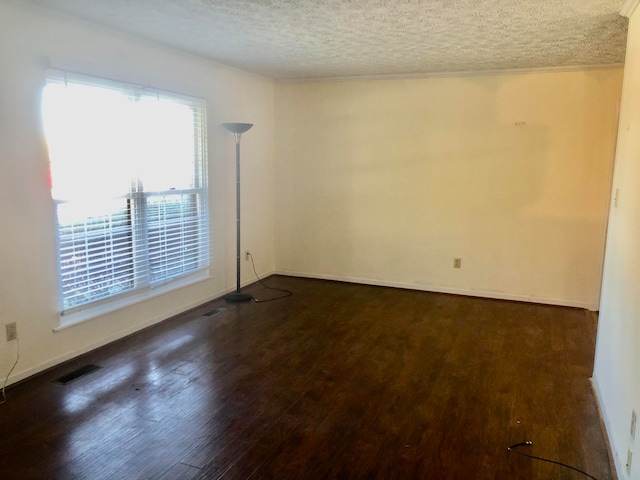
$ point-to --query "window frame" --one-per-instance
(137, 201)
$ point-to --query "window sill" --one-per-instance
(94, 311)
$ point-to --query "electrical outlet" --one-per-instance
(247, 255)
(629, 458)
(12, 331)
(457, 263)
(634, 421)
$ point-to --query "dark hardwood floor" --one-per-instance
(339, 381)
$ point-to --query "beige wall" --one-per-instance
(617, 368)
(29, 38)
(386, 181)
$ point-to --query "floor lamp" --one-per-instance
(237, 129)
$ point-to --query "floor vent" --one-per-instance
(212, 312)
(76, 374)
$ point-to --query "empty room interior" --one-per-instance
(333, 239)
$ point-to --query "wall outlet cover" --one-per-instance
(12, 331)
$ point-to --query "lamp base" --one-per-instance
(237, 297)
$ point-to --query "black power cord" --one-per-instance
(528, 444)
(287, 293)
(4, 385)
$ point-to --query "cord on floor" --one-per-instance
(287, 293)
(528, 444)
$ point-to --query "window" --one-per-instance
(129, 184)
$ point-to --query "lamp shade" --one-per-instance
(237, 127)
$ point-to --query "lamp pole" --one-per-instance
(237, 129)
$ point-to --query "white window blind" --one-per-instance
(129, 182)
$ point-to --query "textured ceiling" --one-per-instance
(288, 39)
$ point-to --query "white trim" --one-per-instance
(94, 311)
(445, 289)
(454, 74)
(629, 7)
(618, 464)
(609, 199)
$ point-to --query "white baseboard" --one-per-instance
(41, 367)
(444, 289)
(34, 370)
(365, 281)
(618, 466)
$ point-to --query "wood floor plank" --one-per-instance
(339, 381)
